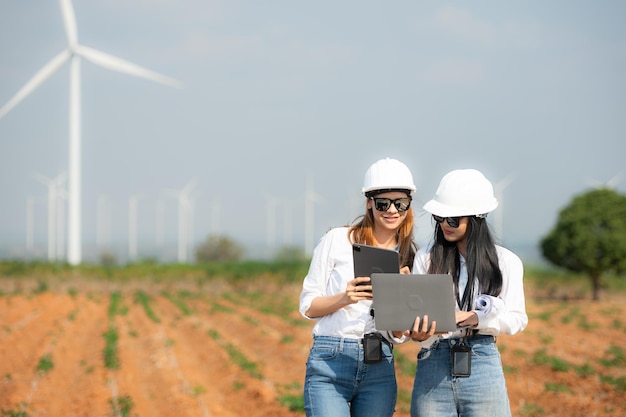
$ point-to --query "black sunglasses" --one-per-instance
(453, 222)
(383, 204)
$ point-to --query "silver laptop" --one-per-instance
(400, 298)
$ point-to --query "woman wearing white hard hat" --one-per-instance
(338, 380)
(460, 373)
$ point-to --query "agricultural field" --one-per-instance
(76, 343)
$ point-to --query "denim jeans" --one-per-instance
(437, 393)
(338, 383)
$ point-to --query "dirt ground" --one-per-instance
(231, 352)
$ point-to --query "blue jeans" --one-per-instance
(437, 393)
(338, 383)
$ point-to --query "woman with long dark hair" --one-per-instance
(460, 373)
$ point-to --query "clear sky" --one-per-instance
(278, 94)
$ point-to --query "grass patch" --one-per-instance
(615, 357)
(290, 396)
(403, 402)
(550, 386)
(618, 383)
(406, 365)
(541, 358)
(217, 307)
(121, 406)
(178, 302)
(111, 358)
(42, 287)
(144, 299)
(243, 362)
(532, 410)
(584, 370)
(45, 364)
(18, 412)
(237, 357)
(292, 401)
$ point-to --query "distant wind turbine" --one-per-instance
(271, 204)
(311, 197)
(185, 219)
(55, 191)
(133, 204)
(73, 53)
(288, 207)
(499, 213)
(104, 222)
(611, 184)
(30, 225)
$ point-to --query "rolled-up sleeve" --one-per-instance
(316, 280)
(509, 316)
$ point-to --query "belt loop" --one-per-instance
(341, 344)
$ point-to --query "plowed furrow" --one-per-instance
(211, 372)
(78, 365)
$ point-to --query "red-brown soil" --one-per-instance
(239, 350)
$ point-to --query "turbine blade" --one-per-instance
(34, 82)
(189, 187)
(117, 64)
(69, 18)
(613, 182)
(42, 178)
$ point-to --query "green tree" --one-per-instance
(219, 249)
(590, 236)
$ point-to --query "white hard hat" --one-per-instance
(388, 174)
(462, 192)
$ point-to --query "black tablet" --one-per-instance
(370, 259)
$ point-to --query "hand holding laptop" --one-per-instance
(413, 302)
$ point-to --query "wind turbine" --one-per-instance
(310, 198)
(185, 218)
(54, 193)
(133, 204)
(104, 222)
(611, 184)
(74, 53)
(30, 226)
(271, 204)
(288, 206)
(499, 213)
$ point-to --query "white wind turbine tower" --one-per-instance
(499, 212)
(30, 226)
(288, 206)
(133, 204)
(55, 191)
(74, 53)
(309, 201)
(271, 204)
(185, 219)
(160, 220)
(104, 222)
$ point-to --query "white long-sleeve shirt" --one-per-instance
(330, 270)
(508, 309)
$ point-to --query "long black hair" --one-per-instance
(481, 260)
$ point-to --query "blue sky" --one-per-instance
(280, 94)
